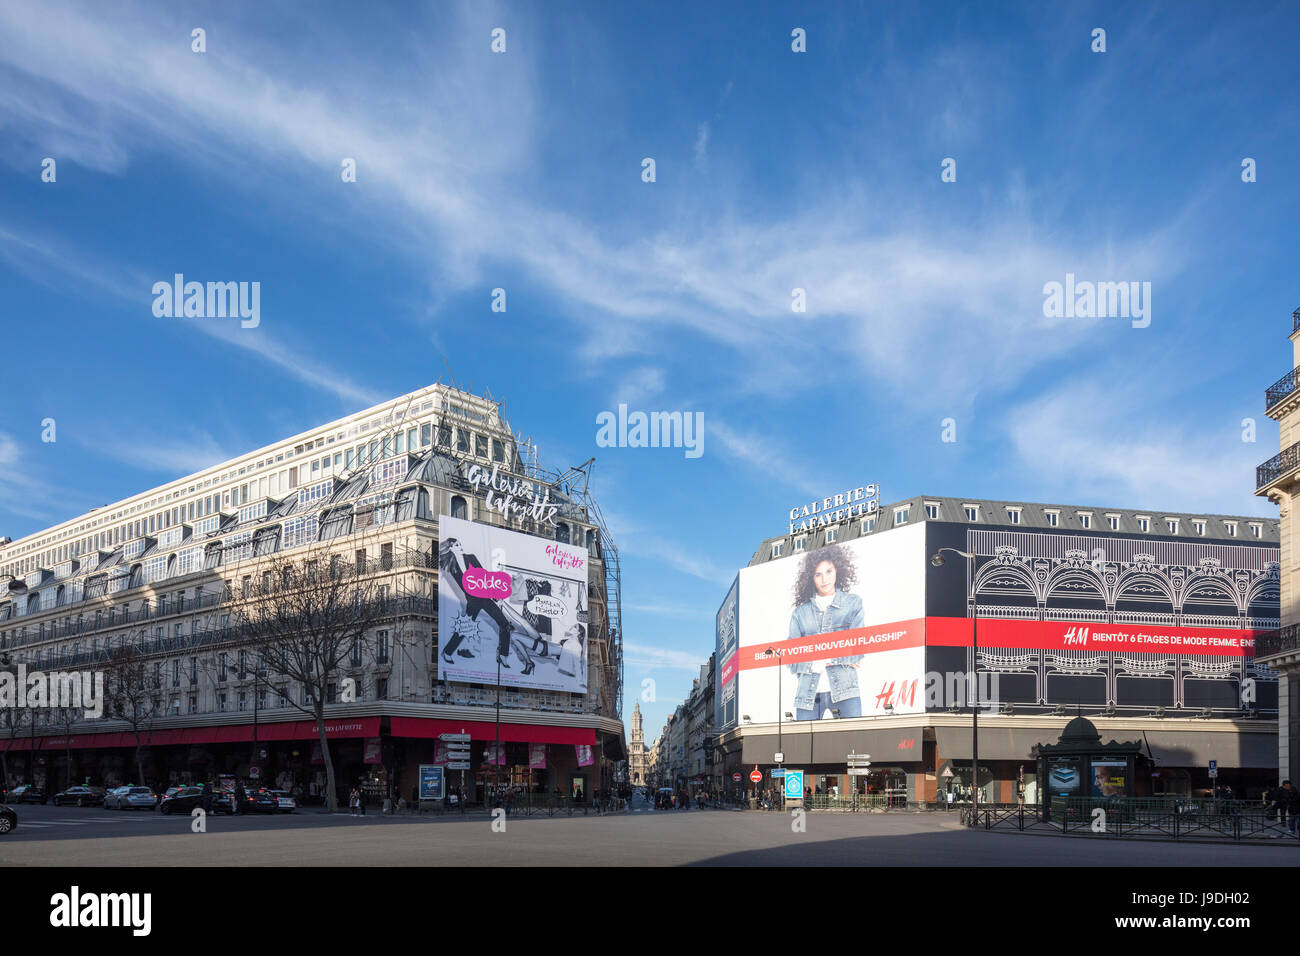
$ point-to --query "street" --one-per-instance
(68, 836)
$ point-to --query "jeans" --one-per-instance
(849, 707)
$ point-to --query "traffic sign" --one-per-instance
(780, 758)
(778, 772)
(256, 772)
(457, 764)
(755, 776)
(947, 772)
(1214, 769)
(448, 738)
(735, 778)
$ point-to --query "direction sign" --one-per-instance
(778, 772)
(457, 764)
(755, 776)
(458, 738)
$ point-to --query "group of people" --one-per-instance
(357, 801)
(1284, 805)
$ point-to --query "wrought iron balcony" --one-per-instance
(1295, 321)
(1283, 387)
(1277, 466)
(1276, 642)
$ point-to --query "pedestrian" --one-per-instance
(237, 798)
(361, 800)
(352, 802)
(206, 799)
(1288, 806)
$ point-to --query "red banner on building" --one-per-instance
(1090, 636)
(858, 640)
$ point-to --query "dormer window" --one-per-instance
(778, 549)
(1172, 525)
(901, 514)
(800, 544)
(972, 512)
(1085, 519)
(1144, 523)
(1199, 527)
(1013, 515)
(1256, 529)
(1053, 518)
(932, 510)
(1231, 528)
(832, 535)
(1112, 521)
(868, 524)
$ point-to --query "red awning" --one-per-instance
(425, 727)
(230, 733)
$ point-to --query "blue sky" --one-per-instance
(775, 170)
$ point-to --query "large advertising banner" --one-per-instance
(511, 599)
(835, 632)
(727, 644)
(1073, 635)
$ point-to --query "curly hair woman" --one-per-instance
(823, 605)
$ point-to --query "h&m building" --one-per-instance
(386, 490)
(845, 638)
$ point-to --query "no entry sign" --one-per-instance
(756, 777)
(735, 777)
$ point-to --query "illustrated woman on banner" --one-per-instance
(453, 562)
(822, 605)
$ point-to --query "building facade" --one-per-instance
(845, 637)
(160, 571)
(1278, 479)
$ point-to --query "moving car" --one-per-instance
(8, 819)
(255, 801)
(130, 798)
(181, 800)
(284, 802)
(26, 793)
(81, 796)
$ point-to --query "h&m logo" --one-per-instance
(906, 694)
(1077, 635)
(908, 743)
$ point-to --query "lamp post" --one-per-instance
(779, 698)
(937, 561)
(496, 752)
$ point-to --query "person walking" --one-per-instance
(1288, 804)
(361, 800)
(206, 799)
(237, 798)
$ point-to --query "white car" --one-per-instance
(130, 798)
(283, 802)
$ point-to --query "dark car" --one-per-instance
(81, 796)
(181, 800)
(27, 794)
(8, 819)
(255, 801)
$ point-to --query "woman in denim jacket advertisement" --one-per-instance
(823, 605)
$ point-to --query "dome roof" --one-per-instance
(1080, 729)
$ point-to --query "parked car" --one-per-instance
(26, 793)
(284, 803)
(81, 796)
(8, 819)
(181, 800)
(255, 801)
(130, 798)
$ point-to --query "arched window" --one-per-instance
(459, 507)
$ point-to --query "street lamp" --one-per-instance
(937, 561)
(779, 697)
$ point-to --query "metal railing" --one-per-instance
(1295, 321)
(1280, 389)
(1160, 817)
(1277, 466)
(1276, 642)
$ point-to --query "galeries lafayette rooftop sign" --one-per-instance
(836, 508)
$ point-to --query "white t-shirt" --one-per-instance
(823, 681)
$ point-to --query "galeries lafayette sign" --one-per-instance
(836, 508)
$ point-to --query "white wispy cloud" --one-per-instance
(174, 456)
(1089, 441)
(666, 658)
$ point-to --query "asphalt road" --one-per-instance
(68, 836)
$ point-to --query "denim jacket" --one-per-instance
(844, 612)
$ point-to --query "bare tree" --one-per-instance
(307, 619)
(130, 689)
